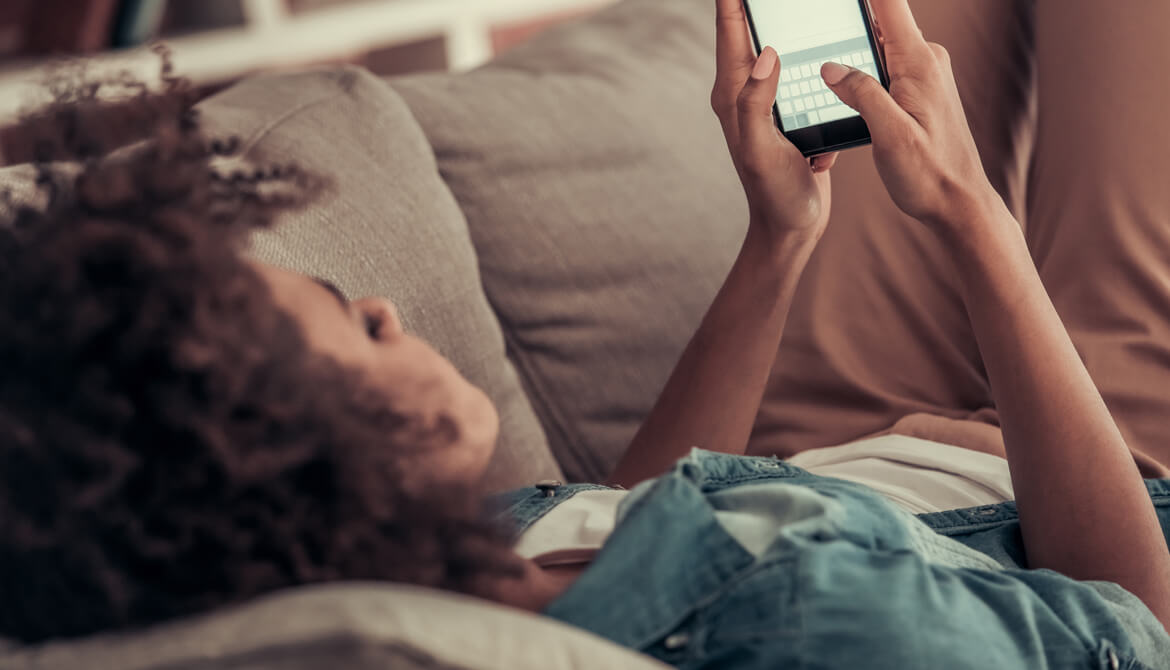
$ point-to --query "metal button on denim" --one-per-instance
(676, 641)
(549, 487)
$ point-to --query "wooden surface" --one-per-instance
(505, 36)
(58, 26)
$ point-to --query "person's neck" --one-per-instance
(535, 589)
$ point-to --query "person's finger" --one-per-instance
(898, 26)
(757, 127)
(734, 55)
(824, 162)
(866, 95)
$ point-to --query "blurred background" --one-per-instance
(217, 41)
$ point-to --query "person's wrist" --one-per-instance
(967, 213)
(781, 244)
(980, 231)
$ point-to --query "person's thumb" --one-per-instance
(864, 94)
(757, 126)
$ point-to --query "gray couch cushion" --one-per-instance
(355, 627)
(603, 204)
(391, 228)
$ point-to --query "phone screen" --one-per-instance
(807, 34)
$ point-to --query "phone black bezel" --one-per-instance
(835, 135)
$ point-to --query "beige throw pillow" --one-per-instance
(603, 205)
(391, 228)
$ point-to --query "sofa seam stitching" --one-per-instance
(266, 129)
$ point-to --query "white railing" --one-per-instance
(276, 38)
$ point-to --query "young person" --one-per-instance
(168, 448)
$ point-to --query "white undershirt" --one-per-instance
(918, 475)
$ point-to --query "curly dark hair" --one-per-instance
(170, 443)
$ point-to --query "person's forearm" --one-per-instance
(1084, 509)
(712, 398)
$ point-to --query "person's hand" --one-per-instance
(787, 194)
(922, 144)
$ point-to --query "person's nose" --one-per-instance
(382, 316)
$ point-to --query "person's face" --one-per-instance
(417, 381)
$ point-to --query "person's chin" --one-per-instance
(482, 438)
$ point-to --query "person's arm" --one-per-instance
(714, 394)
(712, 398)
(1084, 508)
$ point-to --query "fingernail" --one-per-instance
(765, 64)
(834, 72)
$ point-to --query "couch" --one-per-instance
(555, 223)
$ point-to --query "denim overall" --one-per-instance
(735, 562)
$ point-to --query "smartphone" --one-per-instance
(807, 34)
